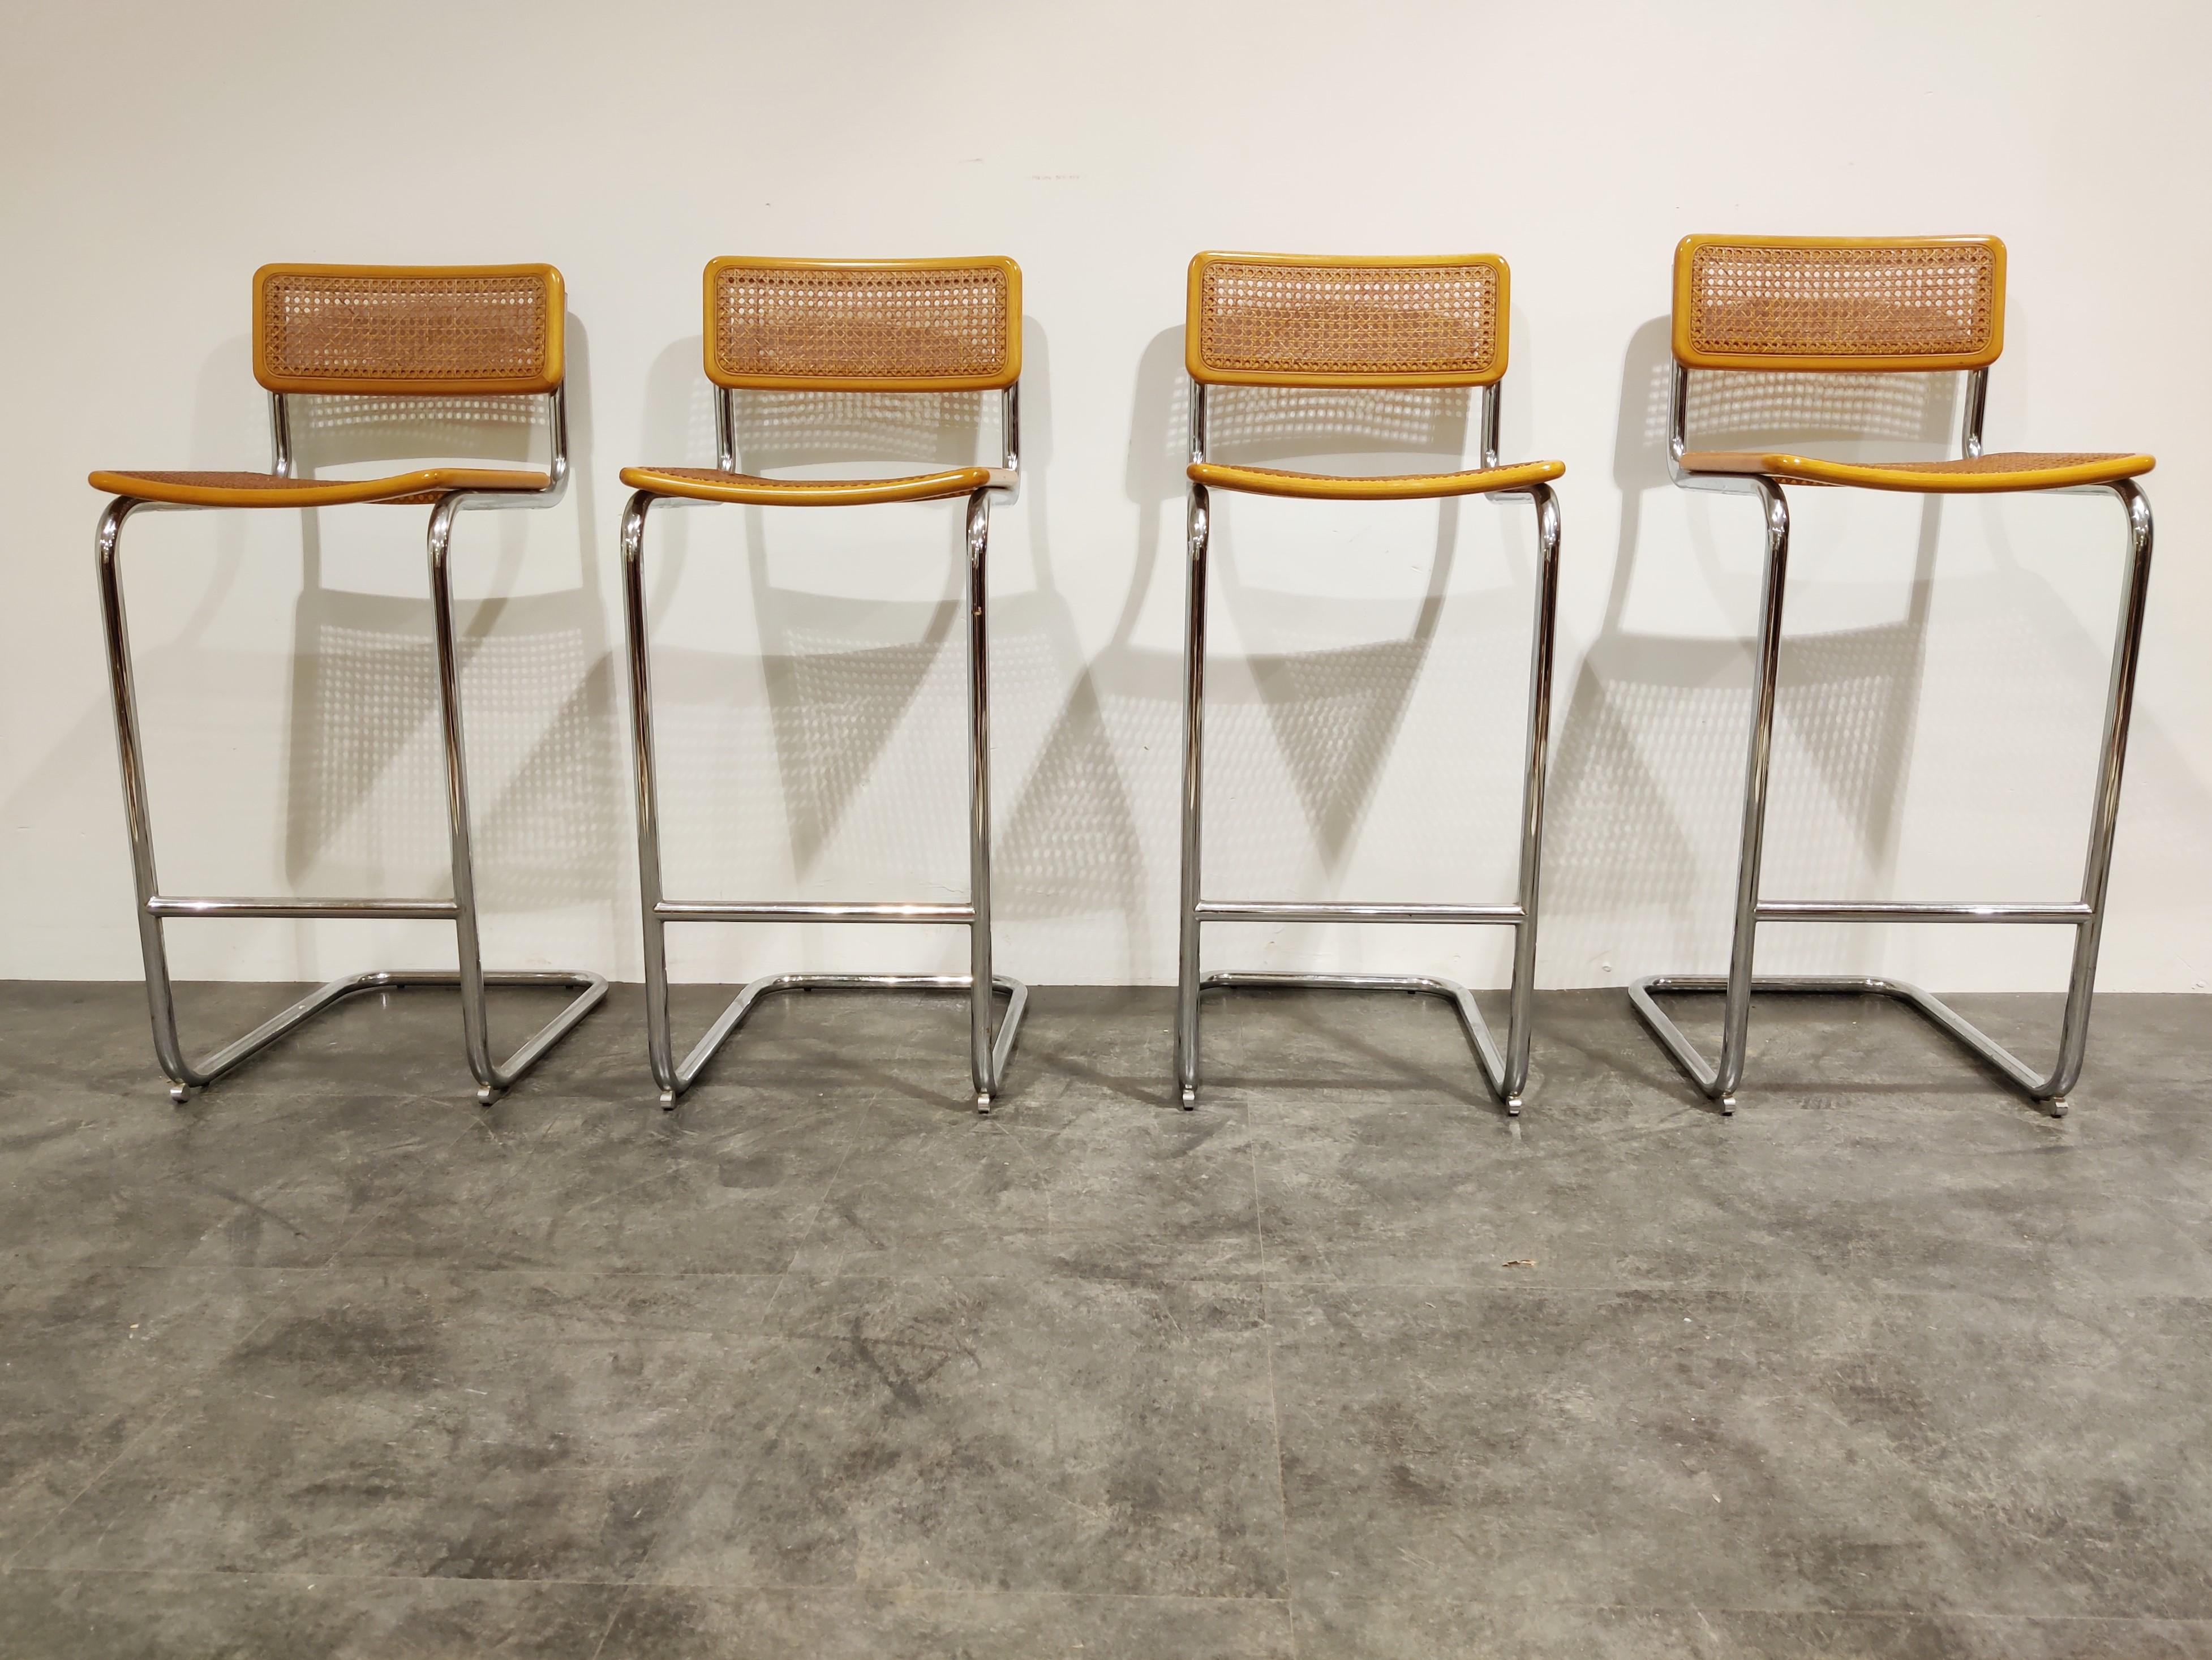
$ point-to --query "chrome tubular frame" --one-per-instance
(155, 908)
(2085, 916)
(987, 1054)
(1507, 1074)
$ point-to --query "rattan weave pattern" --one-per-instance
(2007, 462)
(1987, 474)
(225, 481)
(1345, 320)
(873, 326)
(401, 333)
(1928, 299)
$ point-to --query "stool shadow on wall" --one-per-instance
(1334, 710)
(366, 784)
(1648, 772)
(761, 754)
(1070, 850)
(361, 807)
(193, 691)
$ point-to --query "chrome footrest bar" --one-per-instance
(1486, 1052)
(1642, 996)
(1017, 994)
(421, 910)
(716, 910)
(1264, 910)
(1822, 910)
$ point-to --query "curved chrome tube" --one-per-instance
(1198, 514)
(1506, 1072)
(492, 1077)
(988, 1053)
(1721, 1078)
(155, 909)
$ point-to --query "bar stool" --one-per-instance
(1270, 319)
(1859, 305)
(848, 325)
(377, 331)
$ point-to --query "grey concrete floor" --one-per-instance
(333, 1362)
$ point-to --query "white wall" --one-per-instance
(1945, 670)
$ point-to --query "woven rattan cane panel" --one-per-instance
(864, 325)
(1836, 304)
(392, 331)
(1307, 320)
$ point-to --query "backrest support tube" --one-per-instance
(1970, 417)
(280, 435)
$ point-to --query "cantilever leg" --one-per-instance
(492, 1077)
(1720, 1080)
(757, 991)
(1506, 1072)
(1644, 992)
(982, 1062)
(1496, 1066)
(186, 1075)
(988, 1053)
(197, 1075)
(1520, 1020)
(1194, 767)
(2104, 813)
(168, 1047)
(660, 1043)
